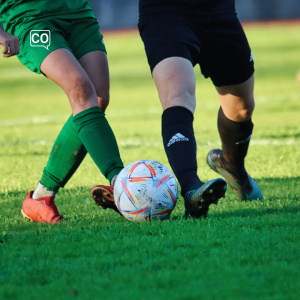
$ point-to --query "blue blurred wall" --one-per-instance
(115, 14)
(260, 10)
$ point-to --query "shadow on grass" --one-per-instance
(255, 212)
(275, 189)
(282, 136)
(63, 192)
(282, 196)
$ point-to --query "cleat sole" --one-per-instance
(101, 195)
(104, 198)
(210, 195)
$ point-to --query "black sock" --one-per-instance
(235, 138)
(180, 146)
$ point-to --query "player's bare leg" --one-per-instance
(237, 101)
(96, 66)
(63, 68)
(94, 131)
(235, 128)
(175, 81)
(90, 77)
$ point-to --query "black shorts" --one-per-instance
(218, 43)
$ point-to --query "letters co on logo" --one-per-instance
(40, 38)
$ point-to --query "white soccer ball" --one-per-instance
(145, 190)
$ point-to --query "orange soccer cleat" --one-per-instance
(104, 196)
(41, 210)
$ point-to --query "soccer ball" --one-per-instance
(145, 190)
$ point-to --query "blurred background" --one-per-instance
(117, 14)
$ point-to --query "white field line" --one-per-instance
(280, 97)
(259, 99)
(258, 142)
(63, 118)
(140, 143)
(33, 120)
(26, 143)
(127, 112)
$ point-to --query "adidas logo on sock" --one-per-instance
(245, 141)
(178, 137)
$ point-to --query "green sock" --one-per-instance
(67, 154)
(99, 140)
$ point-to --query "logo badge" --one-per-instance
(245, 140)
(40, 38)
(251, 56)
(178, 137)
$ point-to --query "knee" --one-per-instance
(245, 112)
(81, 91)
(175, 80)
(103, 99)
(182, 95)
(244, 115)
(181, 92)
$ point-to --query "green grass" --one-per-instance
(241, 251)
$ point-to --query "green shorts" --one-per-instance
(80, 36)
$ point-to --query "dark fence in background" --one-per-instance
(116, 14)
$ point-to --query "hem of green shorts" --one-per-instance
(96, 49)
(39, 69)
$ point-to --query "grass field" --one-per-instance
(241, 251)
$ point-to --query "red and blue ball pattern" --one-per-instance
(145, 190)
